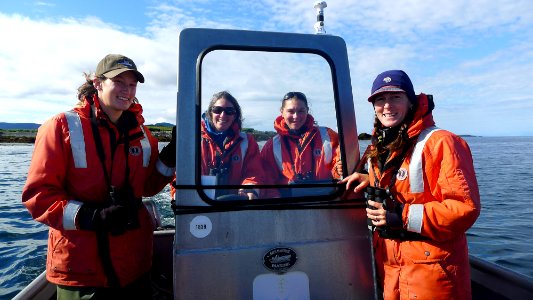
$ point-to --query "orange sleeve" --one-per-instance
(44, 193)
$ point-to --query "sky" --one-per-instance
(474, 56)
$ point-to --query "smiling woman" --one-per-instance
(417, 176)
(391, 109)
(228, 155)
(223, 111)
(91, 167)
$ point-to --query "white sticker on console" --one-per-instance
(291, 285)
(201, 226)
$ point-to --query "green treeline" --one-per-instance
(259, 135)
(162, 133)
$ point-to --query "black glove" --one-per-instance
(113, 218)
(394, 217)
(168, 153)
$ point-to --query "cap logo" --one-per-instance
(125, 63)
(387, 79)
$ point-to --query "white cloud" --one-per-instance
(43, 3)
(474, 56)
(45, 62)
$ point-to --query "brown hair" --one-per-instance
(295, 95)
(87, 89)
(397, 144)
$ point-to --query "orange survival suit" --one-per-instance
(238, 163)
(311, 155)
(66, 171)
(437, 185)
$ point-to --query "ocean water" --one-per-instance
(502, 234)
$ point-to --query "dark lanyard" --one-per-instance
(100, 148)
(101, 236)
(396, 164)
(221, 155)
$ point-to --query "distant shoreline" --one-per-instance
(162, 134)
(27, 136)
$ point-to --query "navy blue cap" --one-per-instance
(393, 81)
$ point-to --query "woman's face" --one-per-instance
(223, 114)
(294, 112)
(117, 94)
(391, 108)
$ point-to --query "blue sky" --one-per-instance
(475, 57)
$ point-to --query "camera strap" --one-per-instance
(221, 155)
(395, 164)
(100, 147)
(102, 238)
(299, 149)
(98, 143)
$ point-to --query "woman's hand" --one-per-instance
(358, 180)
(247, 193)
(378, 214)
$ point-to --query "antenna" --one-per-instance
(319, 25)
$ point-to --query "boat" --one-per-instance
(489, 280)
(313, 244)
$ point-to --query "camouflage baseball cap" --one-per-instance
(114, 64)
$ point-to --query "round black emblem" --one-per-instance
(135, 150)
(280, 259)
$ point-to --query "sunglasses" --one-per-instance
(297, 95)
(230, 111)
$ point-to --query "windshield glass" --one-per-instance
(268, 118)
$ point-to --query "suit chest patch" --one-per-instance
(402, 174)
(135, 150)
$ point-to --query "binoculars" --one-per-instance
(221, 173)
(378, 195)
(302, 177)
(390, 205)
(124, 197)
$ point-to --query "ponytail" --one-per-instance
(87, 89)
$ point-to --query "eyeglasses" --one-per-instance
(230, 111)
(298, 95)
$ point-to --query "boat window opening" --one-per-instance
(259, 81)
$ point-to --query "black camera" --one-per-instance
(125, 197)
(222, 178)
